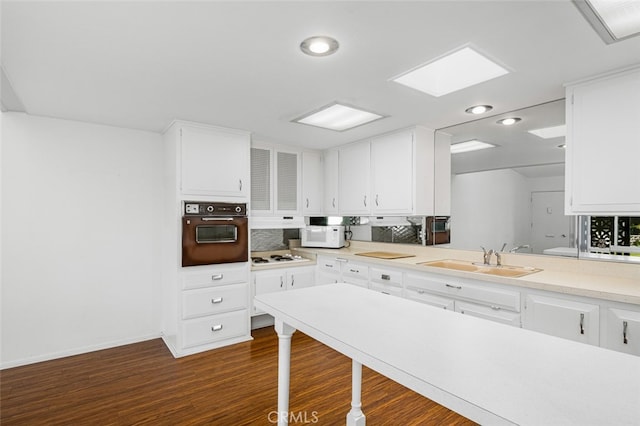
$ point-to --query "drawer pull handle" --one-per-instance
(240, 182)
(354, 270)
(385, 277)
(281, 283)
(292, 280)
(420, 291)
(217, 277)
(384, 292)
(457, 287)
(581, 323)
(216, 300)
(326, 265)
(333, 202)
(495, 308)
(624, 333)
(216, 327)
(307, 203)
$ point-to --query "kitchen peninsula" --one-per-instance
(503, 375)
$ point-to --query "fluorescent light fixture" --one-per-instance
(550, 132)
(338, 117)
(613, 20)
(456, 71)
(319, 46)
(472, 145)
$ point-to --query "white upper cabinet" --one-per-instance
(275, 181)
(214, 161)
(331, 182)
(354, 169)
(402, 173)
(392, 174)
(603, 145)
(312, 183)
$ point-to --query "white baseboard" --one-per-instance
(76, 351)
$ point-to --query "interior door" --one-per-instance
(550, 228)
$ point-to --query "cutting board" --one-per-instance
(385, 255)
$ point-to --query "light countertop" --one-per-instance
(618, 282)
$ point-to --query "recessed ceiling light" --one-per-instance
(509, 121)
(338, 117)
(478, 109)
(613, 20)
(319, 46)
(458, 70)
(550, 132)
(472, 145)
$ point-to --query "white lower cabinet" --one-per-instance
(212, 308)
(387, 281)
(492, 313)
(332, 270)
(479, 299)
(563, 317)
(620, 330)
(281, 279)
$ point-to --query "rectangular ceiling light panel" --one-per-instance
(550, 132)
(622, 17)
(472, 145)
(458, 70)
(338, 117)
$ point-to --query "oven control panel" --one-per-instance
(192, 208)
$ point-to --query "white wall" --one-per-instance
(80, 240)
(487, 209)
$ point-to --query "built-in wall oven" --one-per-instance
(214, 233)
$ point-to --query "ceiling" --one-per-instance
(238, 64)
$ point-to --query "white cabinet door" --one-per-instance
(355, 198)
(603, 145)
(312, 196)
(569, 319)
(267, 282)
(392, 174)
(261, 185)
(331, 182)
(287, 182)
(214, 162)
(621, 330)
(301, 277)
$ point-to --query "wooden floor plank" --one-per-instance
(142, 384)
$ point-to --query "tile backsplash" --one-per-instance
(272, 239)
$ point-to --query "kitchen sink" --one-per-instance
(501, 271)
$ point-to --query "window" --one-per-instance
(618, 235)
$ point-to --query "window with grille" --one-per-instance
(618, 235)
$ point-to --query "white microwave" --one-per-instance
(330, 236)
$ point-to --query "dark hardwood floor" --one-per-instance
(142, 384)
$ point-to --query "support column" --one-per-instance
(356, 417)
(285, 332)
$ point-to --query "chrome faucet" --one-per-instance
(515, 249)
(499, 255)
(487, 255)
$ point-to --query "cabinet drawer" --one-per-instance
(490, 313)
(327, 264)
(208, 301)
(419, 295)
(356, 270)
(386, 276)
(207, 276)
(386, 288)
(461, 289)
(213, 328)
(360, 282)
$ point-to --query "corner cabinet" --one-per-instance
(603, 144)
(213, 161)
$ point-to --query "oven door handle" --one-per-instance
(218, 218)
